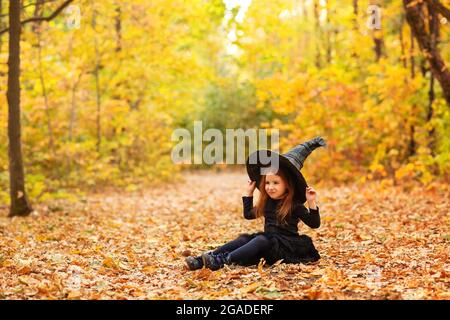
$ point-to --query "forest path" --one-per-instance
(376, 241)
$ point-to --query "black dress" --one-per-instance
(286, 242)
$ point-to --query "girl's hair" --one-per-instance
(284, 208)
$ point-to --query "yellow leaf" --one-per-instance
(261, 264)
(75, 294)
(149, 269)
(250, 288)
(28, 280)
(203, 274)
(110, 263)
(24, 270)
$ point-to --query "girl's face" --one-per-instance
(275, 186)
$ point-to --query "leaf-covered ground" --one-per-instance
(376, 242)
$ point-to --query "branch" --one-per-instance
(35, 3)
(39, 19)
(439, 7)
(50, 17)
(431, 53)
(28, 5)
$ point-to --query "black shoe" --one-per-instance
(194, 263)
(215, 261)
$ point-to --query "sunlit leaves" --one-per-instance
(374, 242)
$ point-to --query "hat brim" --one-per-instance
(254, 171)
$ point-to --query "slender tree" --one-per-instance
(317, 33)
(97, 80)
(431, 52)
(118, 26)
(329, 31)
(355, 15)
(433, 25)
(402, 43)
(1, 23)
(377, 35)
(37, 28)
(412, 56)
(19, 206)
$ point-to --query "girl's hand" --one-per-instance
(250, 188)
(311, 194)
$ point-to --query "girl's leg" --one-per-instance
(233, 245)
(246, 254)
(251, 251)
(195, 263)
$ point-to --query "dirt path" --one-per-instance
(376, 242)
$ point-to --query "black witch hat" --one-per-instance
(262, 161)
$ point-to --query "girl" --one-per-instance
(281, 205)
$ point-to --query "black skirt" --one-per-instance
(290, 248)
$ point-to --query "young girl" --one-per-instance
(282, 208)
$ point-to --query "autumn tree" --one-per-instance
(420, 23)
(19, 205)
(99, 99)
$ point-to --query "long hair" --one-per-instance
(284, 208)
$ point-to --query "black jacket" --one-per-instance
(311, 218)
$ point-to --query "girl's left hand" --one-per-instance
(310, 194)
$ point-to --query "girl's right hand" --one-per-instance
(250, 188)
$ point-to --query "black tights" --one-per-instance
(245, 249)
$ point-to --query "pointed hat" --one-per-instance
(262, 161)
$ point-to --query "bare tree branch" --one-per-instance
(431, 53)
(29, 5)
(39, 19)
(439, 7)
(35, 3)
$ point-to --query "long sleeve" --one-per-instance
(249, 211)
(311, 218)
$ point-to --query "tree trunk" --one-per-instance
(377, 48)
(73, 92)
(431, 53)
(1, 25)
(377, 34)
(439, 8)
(37, 13)
(98, 97)
(433, 25)
(44, 93)
(73, 106)
(118, 25)
(304, 10)
(402, 44)
(412, 141)
(317, 33)
(19, 200)
(328, 32)
(354, 53)
(431, 131)
(423, 67)
(72, 117)
(303, 39)
(355, 15)
(97, 83)
(411, 56)
(37, 29)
